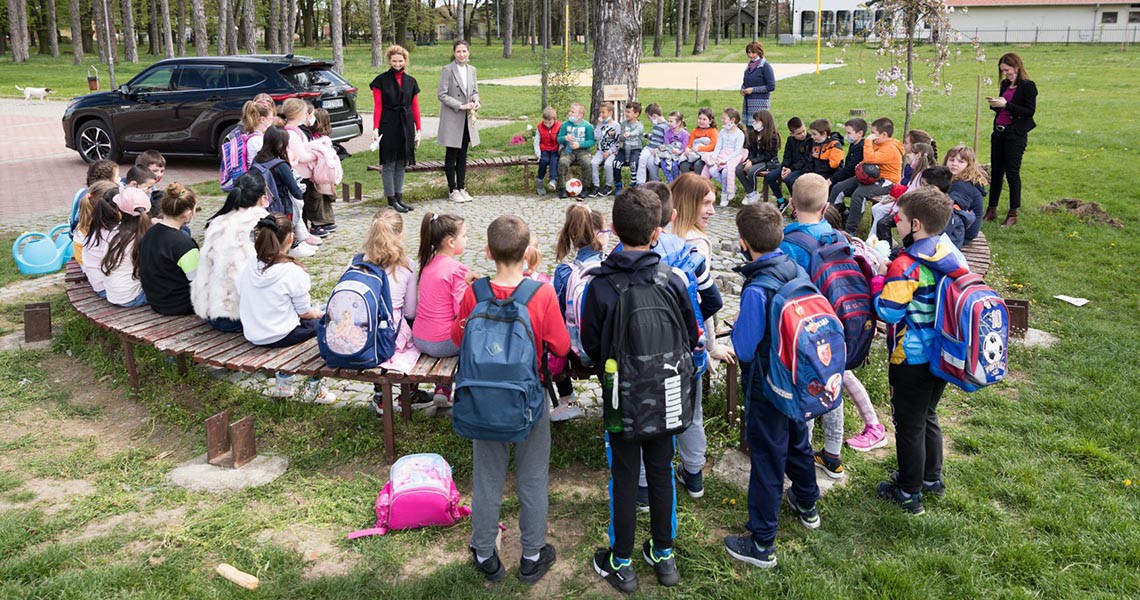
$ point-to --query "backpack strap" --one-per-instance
(525, 291)
(368, 532)
(661, 274)
(802, 240)
(482, 289)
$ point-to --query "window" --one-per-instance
(828, 24)
(155, 80)
(843, 20)
(1134, 16)
(201, 77)
(862, 22)
(308, 79)
(807, 23)
(240, 77)
(1108, 17)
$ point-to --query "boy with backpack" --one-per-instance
(494, 311)
(780, 306)
(905, 298)
(639, 329)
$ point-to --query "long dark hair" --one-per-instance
(433, 230)
(769, 139)
(131, 229)
(249, 189)
(104, 214)
(275, 145)
(269, 240)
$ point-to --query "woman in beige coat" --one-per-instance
(459, 101)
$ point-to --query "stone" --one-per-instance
(1036, 338)
(199, 476)
(734, 467)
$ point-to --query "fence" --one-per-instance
(1067, 35)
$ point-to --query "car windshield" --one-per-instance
(315, 78)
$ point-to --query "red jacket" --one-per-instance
(548, 138)
(545, 319)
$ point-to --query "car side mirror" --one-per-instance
(124, 90)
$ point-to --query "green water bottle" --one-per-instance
(611, 410)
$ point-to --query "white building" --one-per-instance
(1028, 21)
(840, 18)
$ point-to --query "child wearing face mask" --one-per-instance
(647, 162)
(762, 143)
(722, 161)
(854, 130)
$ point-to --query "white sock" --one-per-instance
(532, 557)
(481, 559)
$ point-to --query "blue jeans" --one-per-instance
(139, 300)
(772, 180)
(226, 325)
(627, 159)
(779, 445)
(548, 159)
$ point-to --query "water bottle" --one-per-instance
(611, 410)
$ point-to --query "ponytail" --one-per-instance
(270, 235)
(435, 228)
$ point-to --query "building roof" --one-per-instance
(969, 3)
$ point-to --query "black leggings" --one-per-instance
(1006, 150)
(455, 163)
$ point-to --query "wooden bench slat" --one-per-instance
(312, 366)
(247, 361)
(277, 361)
(141, 322)
(445, 368)
(230, 357)
(221, 347)
(423, 366)
(290, 363)
(183, 342)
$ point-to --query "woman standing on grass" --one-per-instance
(1013, 121)
(759, 80)
(459, 100)
(396, 123)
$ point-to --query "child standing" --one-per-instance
(256, 117)
(606, 133)
(120, 265)
(702, 140)
(797, 151)
(325, 173)
(905, 299)
(779, 445)
(672, 151)
(763, 146)
(442, 283)
(629, 151)
(636, 215)
(576, 138)
(508, 238)
(650, 156)
(272, 163)
(728, 153)
(546, 148)
(879, 149)
(168, 259)
(826, 149)
(298, 119)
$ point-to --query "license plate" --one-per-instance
(337, 103)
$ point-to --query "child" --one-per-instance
(629, 149)
(256, 117)
(647, 164)
(300, 157)
(763, 146)
(576, 138)
(636, 218)
(83, 205)
(120, 265)
(168, 258)
(968, 190)
(826, 149)
(320, 192)
(546, 149)
(855, 129)
(583, 231)
(272, 163)
(276, 309)
(882, 150)
(442, 283)
(723, 160)
(904, 299)
(99, 221)
(912, 137)
(779, 446)
(141, 178)
(702, 140)
(797, 152)
(532, 263)
(155, 162)
(606, 133)
(921, 159)
(508, 238)
(672, 151)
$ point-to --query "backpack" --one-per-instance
(498, 394)
(656, 379)
(581, 273)
(234, 159)
(960, 221)
(841, 279)
(327, 169)
(277, 203)
(358, 330)
(971, 325)
(420, 493)
(804, 349)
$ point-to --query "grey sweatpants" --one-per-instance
(392, 175)
(832, 431)
(692, 444)
(489, 474)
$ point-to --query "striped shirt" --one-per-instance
(907, 299)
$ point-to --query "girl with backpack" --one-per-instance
(442, 283)
(584, 232)
(168, 258)
(385, 249)
(120, 265)
(256, 117)
(325, 173)
(226, 248)
(298, 116)
(93, 233)
(276, 309)
(272, 163)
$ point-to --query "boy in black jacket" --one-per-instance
(855, 129)
(636, 215)
(797, 154)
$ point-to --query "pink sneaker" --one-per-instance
(873, 436)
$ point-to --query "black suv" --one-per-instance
(186, 106)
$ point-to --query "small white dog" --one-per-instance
(35, 92)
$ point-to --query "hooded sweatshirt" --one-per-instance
(853, 158)
(272, 300)
(887, 152)
(970, 197)
(797, 153)
(826, 156)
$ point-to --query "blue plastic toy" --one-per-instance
(42, 252)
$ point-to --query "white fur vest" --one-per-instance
(226, 249)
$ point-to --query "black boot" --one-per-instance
(400, 201)
(396, 205)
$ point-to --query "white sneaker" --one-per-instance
(566, 412)
(282, 387)
(315, 392)
(750, 198)
(303, 250)
(552, 184)
(457, 196)
(466, 194)
(724, 200)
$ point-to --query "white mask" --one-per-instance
(758, 126)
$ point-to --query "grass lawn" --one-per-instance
(1043, 488)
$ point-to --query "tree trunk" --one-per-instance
(167, 35)
(773, 18)
(657, 33)
(718, 19)
(180, 29)
(546, 24)
(618, 61)
(377, 33)
(52, 30)
(336, 30)
(686, 19)
(487, 18)
(223, 26)
(909, 73)
(272, 28)
(679, 26)
(232, 28)
(586, 34)
(306, 22)
(78, 32)
(508, 27)
(152, 34)
(201, 36)
(19, 47)
(704, 18)
(460, 16)
(100, 29)
(130, 42)
(290, 25)
(400, 18)
(248, 18)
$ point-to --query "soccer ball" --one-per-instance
(573, 187)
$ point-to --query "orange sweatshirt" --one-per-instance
(708, 132)
(888, 154)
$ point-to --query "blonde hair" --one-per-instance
(252, 114)
(384, 247)
(549, 113)
(533, 256)
(971, 173)
(607, 106)
(809, 193)
(293, 108)
(396, 49)
(689, 191)
(95, 193)
(578, 106)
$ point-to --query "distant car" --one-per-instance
(186, 106)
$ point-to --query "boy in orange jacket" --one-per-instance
(882, 150)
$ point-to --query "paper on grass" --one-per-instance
(1072, 300)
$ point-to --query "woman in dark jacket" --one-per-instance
(1013, 121)
(396, 123)
(759, 80)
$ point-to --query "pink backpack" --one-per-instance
(327, 170)
(419, 493)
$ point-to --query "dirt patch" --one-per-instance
(54, 495)
(162, 520)
(1089, 212)
(317, 548)
(423, 564)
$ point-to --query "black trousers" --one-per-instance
(1006, 150)
(747, 177)
(915, 393)
(625, 466)
(455, 163)
(306, 330)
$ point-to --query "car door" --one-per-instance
(142, 120)
(198, 88)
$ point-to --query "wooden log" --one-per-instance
(240, 578)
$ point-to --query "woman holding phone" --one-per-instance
(1013, 120)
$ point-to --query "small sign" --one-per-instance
(615, 93)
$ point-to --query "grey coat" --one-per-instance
(452, 95)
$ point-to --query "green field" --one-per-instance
(1043, 484)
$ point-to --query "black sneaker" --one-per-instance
(938, 488)
(642, 499)
(320, 231)
(562, 195)
(605, 191)
(590, 192)
(694, 483)
(832, 467)
(742, 548)
(810, 517)
(331, 226)
(623, 578)
(492, 568)
(530, 571)
(666, 568)
(893, 493)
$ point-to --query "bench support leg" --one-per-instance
(132, 368)
(406, 401)
(389, 425)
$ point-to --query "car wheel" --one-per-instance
(95, 141)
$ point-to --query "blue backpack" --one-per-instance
(277, 202)
(803, 347)
(498, 394)
(971, 326)
(839, 278)
(358, 331)
(679, 254)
